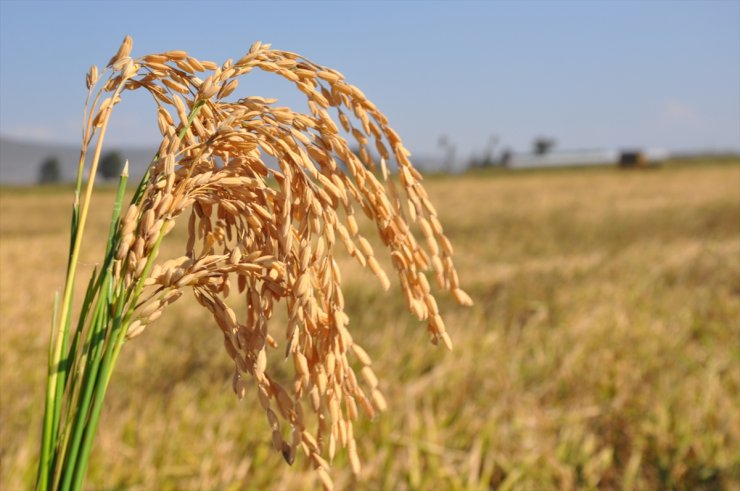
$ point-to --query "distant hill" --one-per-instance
(20, 160)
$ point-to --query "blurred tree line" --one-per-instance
(489, 158)
(50, 169)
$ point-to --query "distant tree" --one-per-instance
(490, 153)
(478, 162)
(505, 157)
(542, 145)
(449, 148)
(50, 171)
(111, 165)
(488, 157)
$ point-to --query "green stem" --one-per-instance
(118, 331)
(79, 382)
(94, 342)
(42, 474)
(118, 338)
(73, 365)
(59, 341)
(94, 349)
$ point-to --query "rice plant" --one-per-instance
(270, 234)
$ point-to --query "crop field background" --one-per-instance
(603, 350)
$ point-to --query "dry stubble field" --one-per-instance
(603, 350)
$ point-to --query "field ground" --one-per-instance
(603, 350)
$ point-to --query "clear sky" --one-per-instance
(662, 74)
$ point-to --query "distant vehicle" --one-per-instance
(636, 159)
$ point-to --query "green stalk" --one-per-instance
(95, 345)
(74, 256)
(74, 364)
(78, 227)
(96, 281)
(77, 383)
(118, 336)
(41, 475)
(117, 205)
(55, 389)
(121, 321)
(90, 294)
(63, 370)
(94, 349)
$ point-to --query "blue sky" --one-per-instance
(596, 74)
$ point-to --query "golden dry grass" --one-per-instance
(602, 351)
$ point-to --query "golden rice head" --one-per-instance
(271, 234)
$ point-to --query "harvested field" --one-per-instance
(602, 351)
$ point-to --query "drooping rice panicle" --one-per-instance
(270, 233)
